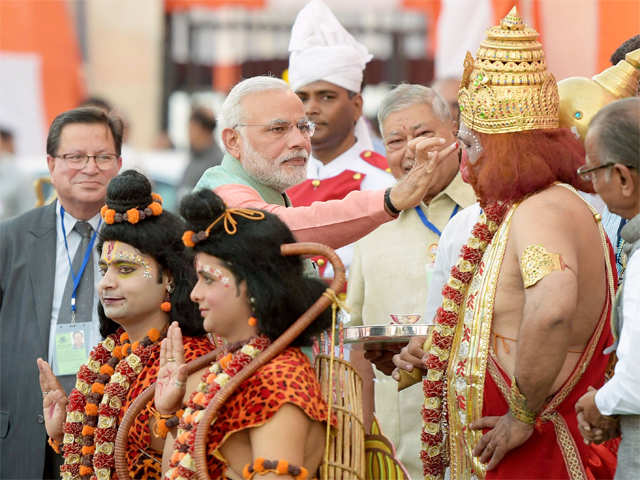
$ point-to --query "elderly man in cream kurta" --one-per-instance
(389, 270)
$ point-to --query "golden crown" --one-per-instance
(507, 88)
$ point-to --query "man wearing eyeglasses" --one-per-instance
(267, 138)
(326, 65)
(613, 159)
(47, 283)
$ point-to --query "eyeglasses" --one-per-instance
(280, 129)
(78, 161)
(587, 173)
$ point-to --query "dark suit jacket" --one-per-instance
(27, 272)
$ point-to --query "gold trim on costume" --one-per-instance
(537, 262)
(468, 363)
(569, 449)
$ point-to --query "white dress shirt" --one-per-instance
(62, 273)
(621, 394)
(454, 236)
(375, 179)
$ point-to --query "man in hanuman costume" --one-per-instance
(524, 318)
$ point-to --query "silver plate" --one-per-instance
(384, 333)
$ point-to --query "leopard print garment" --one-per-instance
(288, 378)
(145, 463)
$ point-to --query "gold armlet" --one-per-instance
(518, 405)
(537, 262)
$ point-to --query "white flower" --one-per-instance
(222, 379)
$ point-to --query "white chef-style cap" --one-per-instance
(321, 49)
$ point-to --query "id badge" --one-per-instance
(71, 348)
(430, 266)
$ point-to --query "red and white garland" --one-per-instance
(182, 464)
(434, 411)
(94, 405)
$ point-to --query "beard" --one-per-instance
(272, 173)
(514, 165)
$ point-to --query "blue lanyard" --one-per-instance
(87, 254)
(430, 225)
(619, 256)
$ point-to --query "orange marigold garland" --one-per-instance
(182, 464)
(434, 410)
(94, 406)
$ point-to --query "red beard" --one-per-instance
(515, 165)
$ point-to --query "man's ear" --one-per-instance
(51, 163)
(232, 142)
(628, 187)
(357, 104)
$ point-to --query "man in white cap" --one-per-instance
(325, 70)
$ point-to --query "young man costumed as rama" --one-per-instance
(524, 318)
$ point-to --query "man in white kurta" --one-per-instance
(389, 273)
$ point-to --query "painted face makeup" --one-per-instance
(215, 272)
(123, 254)
(222, 302)
(471, 143)
(132, 285)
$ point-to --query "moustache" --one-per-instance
(297, 154)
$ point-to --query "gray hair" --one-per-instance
(231, 112)
(406, 95)
(617, 129)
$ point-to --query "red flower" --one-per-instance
(108, 411)
(481, 231)
(105, 435)
(432, 389)
(464, 277)
(430, 415)
(74, 428)
(102, 460)
(86, 375)
(72, 449)
(100, 354)
(429, 439)
(444, 317)
(452, 293)
(442, 341)
(115, 390)
(472, 255)
(76, 401)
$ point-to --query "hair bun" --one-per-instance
(201, 208)
(129, 189)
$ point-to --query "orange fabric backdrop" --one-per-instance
(171, 5)
(45, 28)
(618, 20)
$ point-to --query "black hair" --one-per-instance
(158, 236)
(6, 134)
(204, 117)
(629, 45)
(618, 131)
(281, 292)
(98, 102)
(91, 115)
